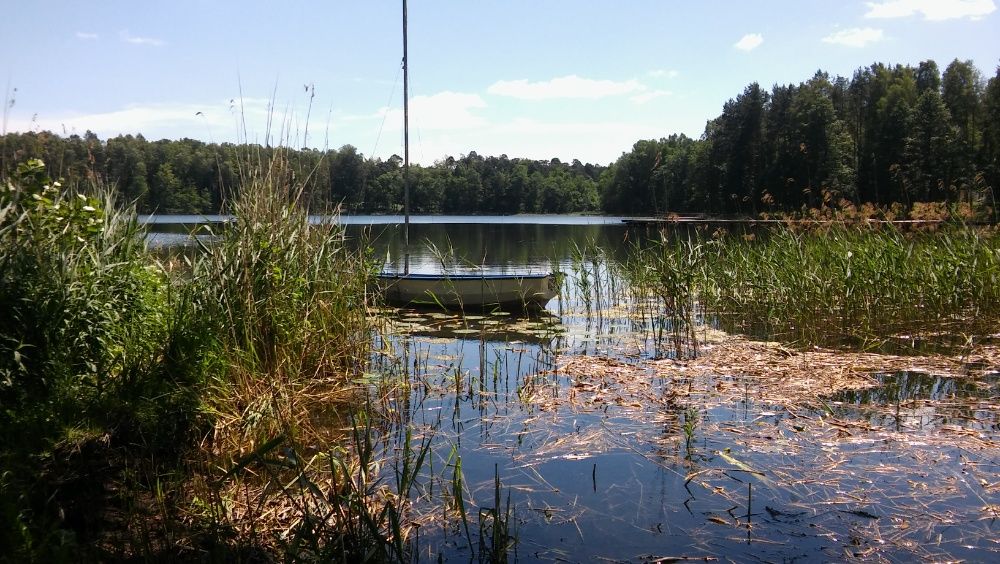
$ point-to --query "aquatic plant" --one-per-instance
(288, 301)
(844, 284)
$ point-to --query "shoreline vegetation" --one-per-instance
(156, 414)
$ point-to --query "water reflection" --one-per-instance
(926, 401)
(597, 474)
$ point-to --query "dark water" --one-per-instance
(925, 401)
(696, 478)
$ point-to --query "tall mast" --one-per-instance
(406, 150)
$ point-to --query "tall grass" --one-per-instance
(84, 314)
(207, 382)
(287, 298)
(853, 285)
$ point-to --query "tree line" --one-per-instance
(190, 176)
(889, 134)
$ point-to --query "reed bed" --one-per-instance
(847, 285)
(214, 411)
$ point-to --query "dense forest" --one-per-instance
(889, 134)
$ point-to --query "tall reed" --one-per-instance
(288, 300)
(859, 283)
(845, 284)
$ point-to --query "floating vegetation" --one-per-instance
(754, 416)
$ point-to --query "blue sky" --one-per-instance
(539, 79)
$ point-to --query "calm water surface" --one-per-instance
(626, 483)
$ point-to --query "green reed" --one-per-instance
(160, 379)
(288, 300)
(665, 279)
(839, 285)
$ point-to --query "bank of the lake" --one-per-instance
(258, 403)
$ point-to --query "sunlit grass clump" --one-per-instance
(286, 300)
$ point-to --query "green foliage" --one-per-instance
(189, 176)
(85, 352)
(80, 304)
(845, 285)
(889, 135)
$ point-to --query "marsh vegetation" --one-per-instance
(820, 393)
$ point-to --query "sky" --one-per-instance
(539, 79)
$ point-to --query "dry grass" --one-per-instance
(894, 475)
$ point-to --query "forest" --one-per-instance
(887, 135)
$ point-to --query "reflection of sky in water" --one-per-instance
(920, 401)
(618, 481)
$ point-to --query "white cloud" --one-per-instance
(157, 120)
(86, 36)
(933, 10)
(661, 73)
(571, 86)
(749, 42)
(137, 40)
(855, 37)
(441, 111)
(644, 97)
(595, 142)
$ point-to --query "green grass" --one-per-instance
(141, 408)
(845, 285)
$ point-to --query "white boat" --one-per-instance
(455, 291)
(469, 291)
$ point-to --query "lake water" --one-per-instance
(593, 473)
(492, 244)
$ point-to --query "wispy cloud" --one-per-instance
(138, 40)
(441, 111)
(749, 42)
(662, 73)
(855, 37)
(167, 120)
(571, 86)
(86, 36)
(933, 10)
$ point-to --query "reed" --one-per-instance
(665, 280)
(288, 300)
(842, 285)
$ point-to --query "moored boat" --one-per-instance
(455, 291)
(469, 291)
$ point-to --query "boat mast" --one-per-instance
(406, 151)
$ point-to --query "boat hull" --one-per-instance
(468, 291)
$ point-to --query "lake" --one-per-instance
(614, 440)
(493, 244)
